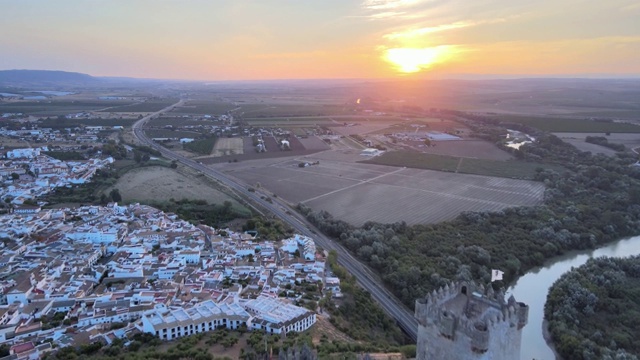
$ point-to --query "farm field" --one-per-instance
(479, 149)
(166, 133)
(418, 124)
(228, 146)
(273, 150)
(293, 121)
(556, 124)
(204, 107)
(202, 146)
(56, 123)
(266, 110)
(57, 106)
(155, 183)
(508, 169)
(577, 139)
(179, 121)
(358, 192)
(147, 106)
(362, 127)
(614, 113)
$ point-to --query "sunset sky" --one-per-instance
(289, 39)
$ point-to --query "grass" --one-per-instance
(570, 125)
(508, 169)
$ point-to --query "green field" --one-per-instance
(623, 113)
(147, 106)
(56, 123)
(203, 147)
(569, 125)
(178, 121)
(206, 107)
(294, 121)
(56, 107)
(165, 133)
(507, 169)
(290, 110)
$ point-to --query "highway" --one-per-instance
(365, 276)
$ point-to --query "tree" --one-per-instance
(4, 350)
(115, 195)
(15, 176)
(137, 156)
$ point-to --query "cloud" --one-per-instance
(389, 4)
(292, 55)
(417, 32)
(386, 15)
(427, 30)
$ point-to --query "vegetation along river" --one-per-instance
(533, 287)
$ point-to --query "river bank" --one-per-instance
(532, 289)
(547, 338)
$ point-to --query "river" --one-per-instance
(533, 287)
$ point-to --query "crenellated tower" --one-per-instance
(463, 320)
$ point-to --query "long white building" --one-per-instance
(170, 323)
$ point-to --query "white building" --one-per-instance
(276, 317)
(171, 323)
(289, 245)
(189, 256)
(23, 153)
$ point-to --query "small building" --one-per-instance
(370, 152)
(26, 209)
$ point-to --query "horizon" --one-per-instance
(451, 77)
(357, 39)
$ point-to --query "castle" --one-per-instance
(466, 321)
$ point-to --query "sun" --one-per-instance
(411, 60)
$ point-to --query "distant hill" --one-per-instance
(44, 76)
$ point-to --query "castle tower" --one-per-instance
(463, 321)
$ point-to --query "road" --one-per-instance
(365, 276)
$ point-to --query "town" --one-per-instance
(97, 273)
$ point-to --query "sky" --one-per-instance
(316, 39)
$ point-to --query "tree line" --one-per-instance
(593, 310)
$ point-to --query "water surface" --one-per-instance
(533, 287)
